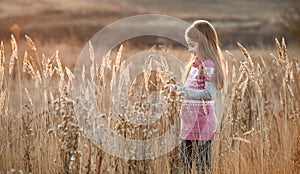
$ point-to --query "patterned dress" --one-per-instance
(198, 119)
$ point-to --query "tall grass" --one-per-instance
(258, 113)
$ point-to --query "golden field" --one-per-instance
(258, 114)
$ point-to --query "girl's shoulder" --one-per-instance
(209, 63)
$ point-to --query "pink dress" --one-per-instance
(198, 119)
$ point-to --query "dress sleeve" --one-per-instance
(208, 93)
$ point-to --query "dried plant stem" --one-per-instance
(285, 134)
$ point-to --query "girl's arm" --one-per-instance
(206, 94)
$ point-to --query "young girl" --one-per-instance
(204, 76)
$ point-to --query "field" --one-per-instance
(51, 124)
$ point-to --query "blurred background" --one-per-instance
(68, 24)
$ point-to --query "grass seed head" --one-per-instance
(30, 43)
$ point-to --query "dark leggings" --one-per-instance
(197, 150)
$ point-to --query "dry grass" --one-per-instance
(258, 115)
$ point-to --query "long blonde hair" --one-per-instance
(202, 32)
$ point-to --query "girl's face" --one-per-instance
(193, 46)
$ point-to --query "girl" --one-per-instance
(204, 76)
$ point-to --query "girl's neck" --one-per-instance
(201, 58)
